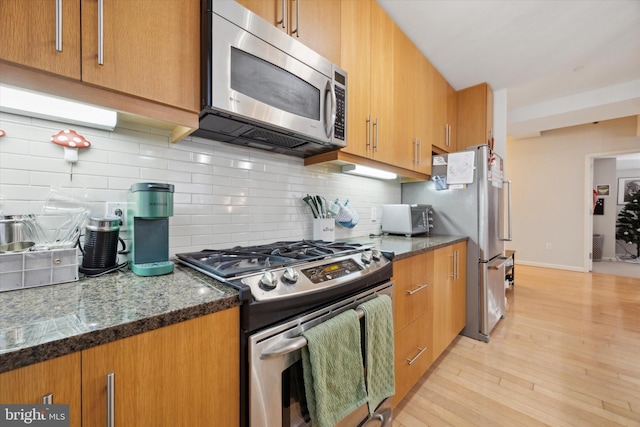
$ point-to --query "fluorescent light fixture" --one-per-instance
(31, 104)
(368, 172)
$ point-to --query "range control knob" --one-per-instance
(290, 275)
(376, 255)
(268, 281)
(366, 257)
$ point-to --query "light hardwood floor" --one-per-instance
(567, 353)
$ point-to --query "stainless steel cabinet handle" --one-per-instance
(375, 143)
(455, 265)
(283, 21)
(415, 151)
(59, 25)
(100, 32)
(422, 350)
(111, 410)
(418, 289)
(419, 152)
(368, 132)
(297, 30)
(47, 399)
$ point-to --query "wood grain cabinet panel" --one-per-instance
(475, 116)
(33, 34)
(315, 23)
(183, 374)
(59, 378)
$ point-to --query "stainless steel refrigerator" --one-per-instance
(470, 197)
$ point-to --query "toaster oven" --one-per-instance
(408, 220)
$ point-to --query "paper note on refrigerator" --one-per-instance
(460, 167)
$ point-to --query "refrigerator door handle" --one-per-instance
(498, 263)
(509, 238)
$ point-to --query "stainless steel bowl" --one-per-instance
(16, 247)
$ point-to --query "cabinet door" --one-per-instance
(179, 375)
(382, 32)
(316, 23)
(475, 115)
(413, 278)
(405, 144)
(59, 377)
(459, 289)
(423, 107)
(439, 111)
(34, 35)
(413, 354)
(452, 117)
(443, 269)
(269, 10)
(356, 59)
(150, 49)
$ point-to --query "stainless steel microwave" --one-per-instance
(264, 89)
(408, 220)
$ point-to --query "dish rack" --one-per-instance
(38, 268)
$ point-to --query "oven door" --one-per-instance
(276, 388)
(254, 75)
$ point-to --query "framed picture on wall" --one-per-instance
(626, 187)
(602, 189)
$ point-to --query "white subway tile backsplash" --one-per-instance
(225, 195)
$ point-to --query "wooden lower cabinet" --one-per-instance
(413, 354)
(429, 305)
(183, 374)
(449, 295)
(413, 320)
(59, 377)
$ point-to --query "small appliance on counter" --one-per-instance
(150, 206)
(408, 220)
(100, 250)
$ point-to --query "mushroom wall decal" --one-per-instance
(71, 141)
(2, 133)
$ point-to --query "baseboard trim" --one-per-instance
(554, 266)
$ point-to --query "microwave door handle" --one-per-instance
(331, 120)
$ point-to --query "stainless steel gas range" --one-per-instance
(287, 288)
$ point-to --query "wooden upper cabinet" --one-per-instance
(405, 143)
(442, 126)
(475, 115)
(356, 60)
(452, 118)
(315, 23)
(423, 107)
(58, 378)
(148, 49)
(33, 34)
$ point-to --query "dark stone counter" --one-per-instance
(41, 323)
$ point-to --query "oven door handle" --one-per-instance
(292, 344)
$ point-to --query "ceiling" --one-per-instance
(561, 62)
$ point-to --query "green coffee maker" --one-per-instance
(148, 211)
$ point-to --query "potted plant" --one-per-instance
(628, 225)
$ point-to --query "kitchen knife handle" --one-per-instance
(47, 399)
(111, 399)
(100, 32)
(59, 25)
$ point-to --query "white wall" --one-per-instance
(550, 197)
(224, 195)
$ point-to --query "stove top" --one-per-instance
(284, 269)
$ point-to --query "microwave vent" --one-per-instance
(273, 138)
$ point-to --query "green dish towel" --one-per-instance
(333, 369)
(378, 320)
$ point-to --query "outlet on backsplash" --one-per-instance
(118, 209)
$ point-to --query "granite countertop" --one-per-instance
(405, 247)
(41, 323)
